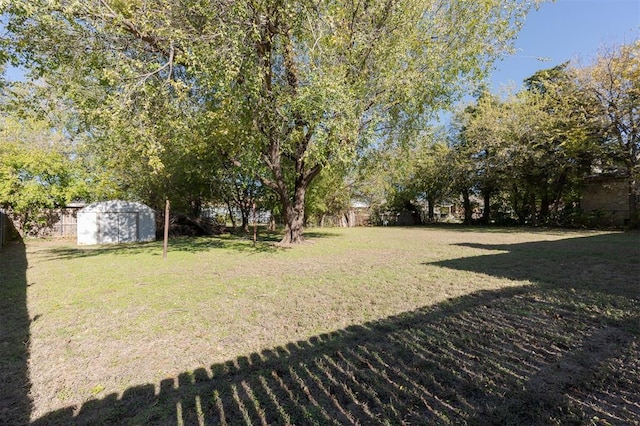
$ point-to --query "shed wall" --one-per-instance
(115, 222)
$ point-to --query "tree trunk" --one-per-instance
(233, 221)
(486, 213)
(195, 207)
(520, 209)
(545, 202)
(294, 219)
(533, 211)
(466, 205)
(272, 222)
(245, 212)
(292, 207)
(634, 218)
(431, 202)
(23, 224)
(559, 189)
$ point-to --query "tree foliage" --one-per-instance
(612, 81)
(301, 84)
(527, 155)
(330, 194)
(419, 175)
(37, 167)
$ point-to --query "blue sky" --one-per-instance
(567, 30)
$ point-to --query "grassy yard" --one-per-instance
(359, 326)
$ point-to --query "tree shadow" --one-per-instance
(266, 243)
(177, 244)
(492, 229)
(604, 263)
(321, 234)
(15, 403)
(532, 354)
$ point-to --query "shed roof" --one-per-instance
(116, 206)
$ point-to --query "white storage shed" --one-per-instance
(114, 222)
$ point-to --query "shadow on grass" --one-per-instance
(605, 263)
(179, 244)
(15, 403)
(321, 234)
(275, 236)
(267, 242)
(493, 229)
(562, 350)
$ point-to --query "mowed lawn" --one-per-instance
(358, 326)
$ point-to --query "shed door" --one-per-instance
(127, 227)
(117, 227)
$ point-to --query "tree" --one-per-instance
(240, 191)
(461, 171)
(329, 195)
(421, 174)
(566, 138)
(531, 148)
(613, 82)
(375, 176)
(479, 146)
(36, 172)
(306, 83)
(432, 174)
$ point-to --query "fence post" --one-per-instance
(166, 230)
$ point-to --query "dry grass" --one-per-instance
(360, 326)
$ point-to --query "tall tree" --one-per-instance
(531, 148)
(566, 136)
(38, 165)
(240, 191)
(480, 145)
(613, 81)
(422, 174)
(307, 82)
(432, 174)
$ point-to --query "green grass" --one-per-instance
(368, 325)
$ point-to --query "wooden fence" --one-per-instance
(66, 226)
(51, 223)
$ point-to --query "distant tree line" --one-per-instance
(526, 156)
